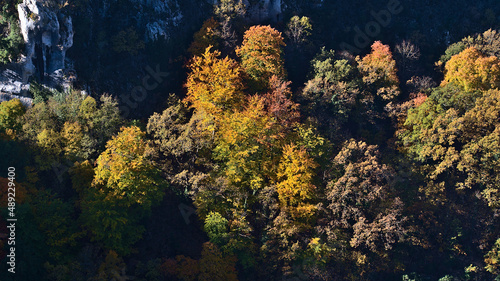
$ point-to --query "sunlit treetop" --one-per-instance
(379, 69)
(125, 173)
(472, 70)
(261, 54)
(214, 85)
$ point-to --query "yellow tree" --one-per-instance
(50, 147)
(10, 111)
(295, 207)
(261, 54)
(72, 134)
(471, 70)
(295, 188)
(214, 85)
(125, 173)
(242, 145)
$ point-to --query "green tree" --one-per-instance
(127, 41)
(455, 134)
(81, 126)
(11, 41)
(56, 219)
(115, 226)
(492, 259)
(217, 227)
(334, 88)
(100, 122)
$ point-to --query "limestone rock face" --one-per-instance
(48, 34)
(27, 102)
(11, 82)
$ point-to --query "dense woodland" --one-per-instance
(269, 152)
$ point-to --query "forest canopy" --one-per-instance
(277, 158)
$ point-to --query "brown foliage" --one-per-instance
(361, 199)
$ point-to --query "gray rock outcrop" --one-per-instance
(27, 102)
(159, 17)
(48, 34)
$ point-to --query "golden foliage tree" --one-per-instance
(472, 70)
(214, 85)
(242, 144)
(125, 173)
(10, 111)
(72, 134)
(261, 54)
(295, 188)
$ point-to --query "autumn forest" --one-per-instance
(275, 156)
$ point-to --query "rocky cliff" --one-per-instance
(48, 30)
(48, 34)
